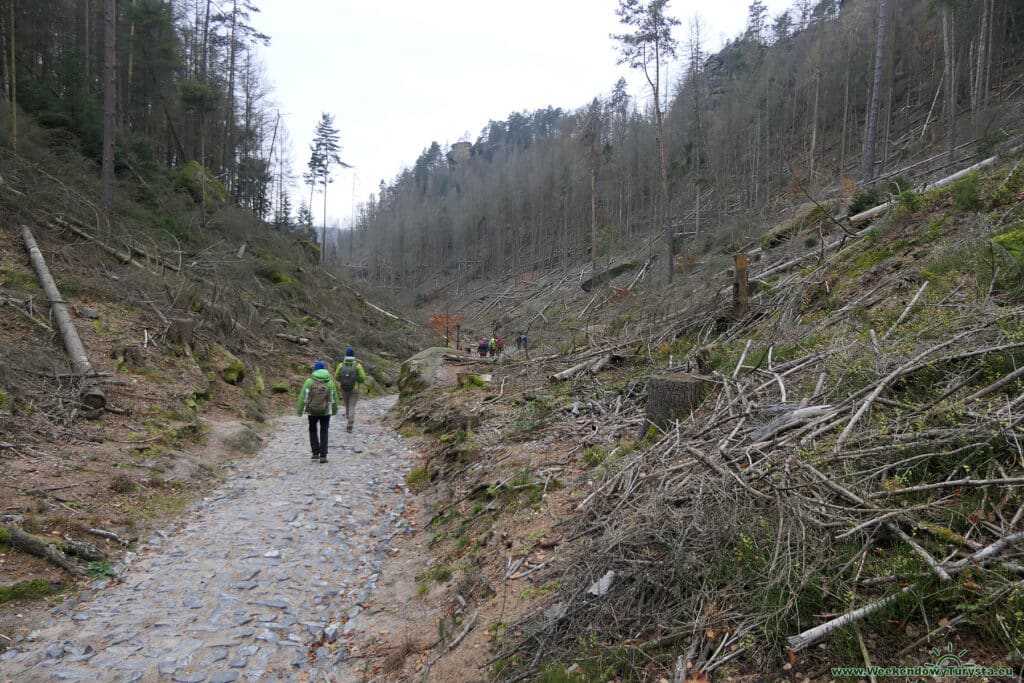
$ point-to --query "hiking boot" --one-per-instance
(348, 428)
(323, 458)
(315, 456)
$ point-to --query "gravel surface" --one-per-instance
(263, 580)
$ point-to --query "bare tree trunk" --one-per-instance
(814, 128)
(323, 232)
(665, 206)
(979, 74)
(867, 169)
(204, 56)
(131, 57)
(696, 220)
(988, 55)
(109, 102)
(593, 221)
(87, 57)
(888, 128)
(846, 108)
(92, 394)
(228, 154)
(948, 45)
(14, 88)
(5, 70)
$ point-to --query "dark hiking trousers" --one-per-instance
(318, 446)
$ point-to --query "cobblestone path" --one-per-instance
(262, 580)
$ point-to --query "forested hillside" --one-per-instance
(188, 83)
(779, 114)
(763, 418)
(135, 167)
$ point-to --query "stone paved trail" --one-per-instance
(246, 587)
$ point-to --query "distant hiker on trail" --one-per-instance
(319, 400)
(482, 348)
(501, 345)
(521, 342)
(492, 347)
(350, 376)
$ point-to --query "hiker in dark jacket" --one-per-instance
(318, 398)
(350, 376)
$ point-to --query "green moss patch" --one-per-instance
(1011, 239)
(18, 279)
(201, 184)
(33, 589)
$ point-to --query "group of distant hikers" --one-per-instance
(322, 394)
(319, 399)
(495, 345)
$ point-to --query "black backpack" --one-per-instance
(318, 398)
(348, 376)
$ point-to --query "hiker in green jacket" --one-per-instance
(319, 400)
(350, 376)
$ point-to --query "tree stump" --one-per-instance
(673, 397)
(181, 332)
(129, 355)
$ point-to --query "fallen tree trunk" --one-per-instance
(813, 635)
(292, 338)
(92, 394)
(125, 257)
(570, 372)
(865, 216)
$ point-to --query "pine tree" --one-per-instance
(283, 213)
(644, 48)
(325, 154)
(109, 102)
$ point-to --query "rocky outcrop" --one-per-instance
(423, 370)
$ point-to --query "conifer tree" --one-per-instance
(649, 42)
(325, 155)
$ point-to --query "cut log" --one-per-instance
(673, 397)
(292, 338)
(91, 395)
(600, 364)
(570, 372)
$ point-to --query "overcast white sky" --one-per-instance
(398, 74)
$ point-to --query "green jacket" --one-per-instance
(318, 376)
(360, 373)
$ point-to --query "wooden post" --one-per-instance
(740, 287)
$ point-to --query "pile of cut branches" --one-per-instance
(782, 515)
(867, 481)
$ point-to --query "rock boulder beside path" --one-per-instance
(424, 370)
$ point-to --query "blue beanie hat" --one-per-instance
(350, 352)
(319, 365)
